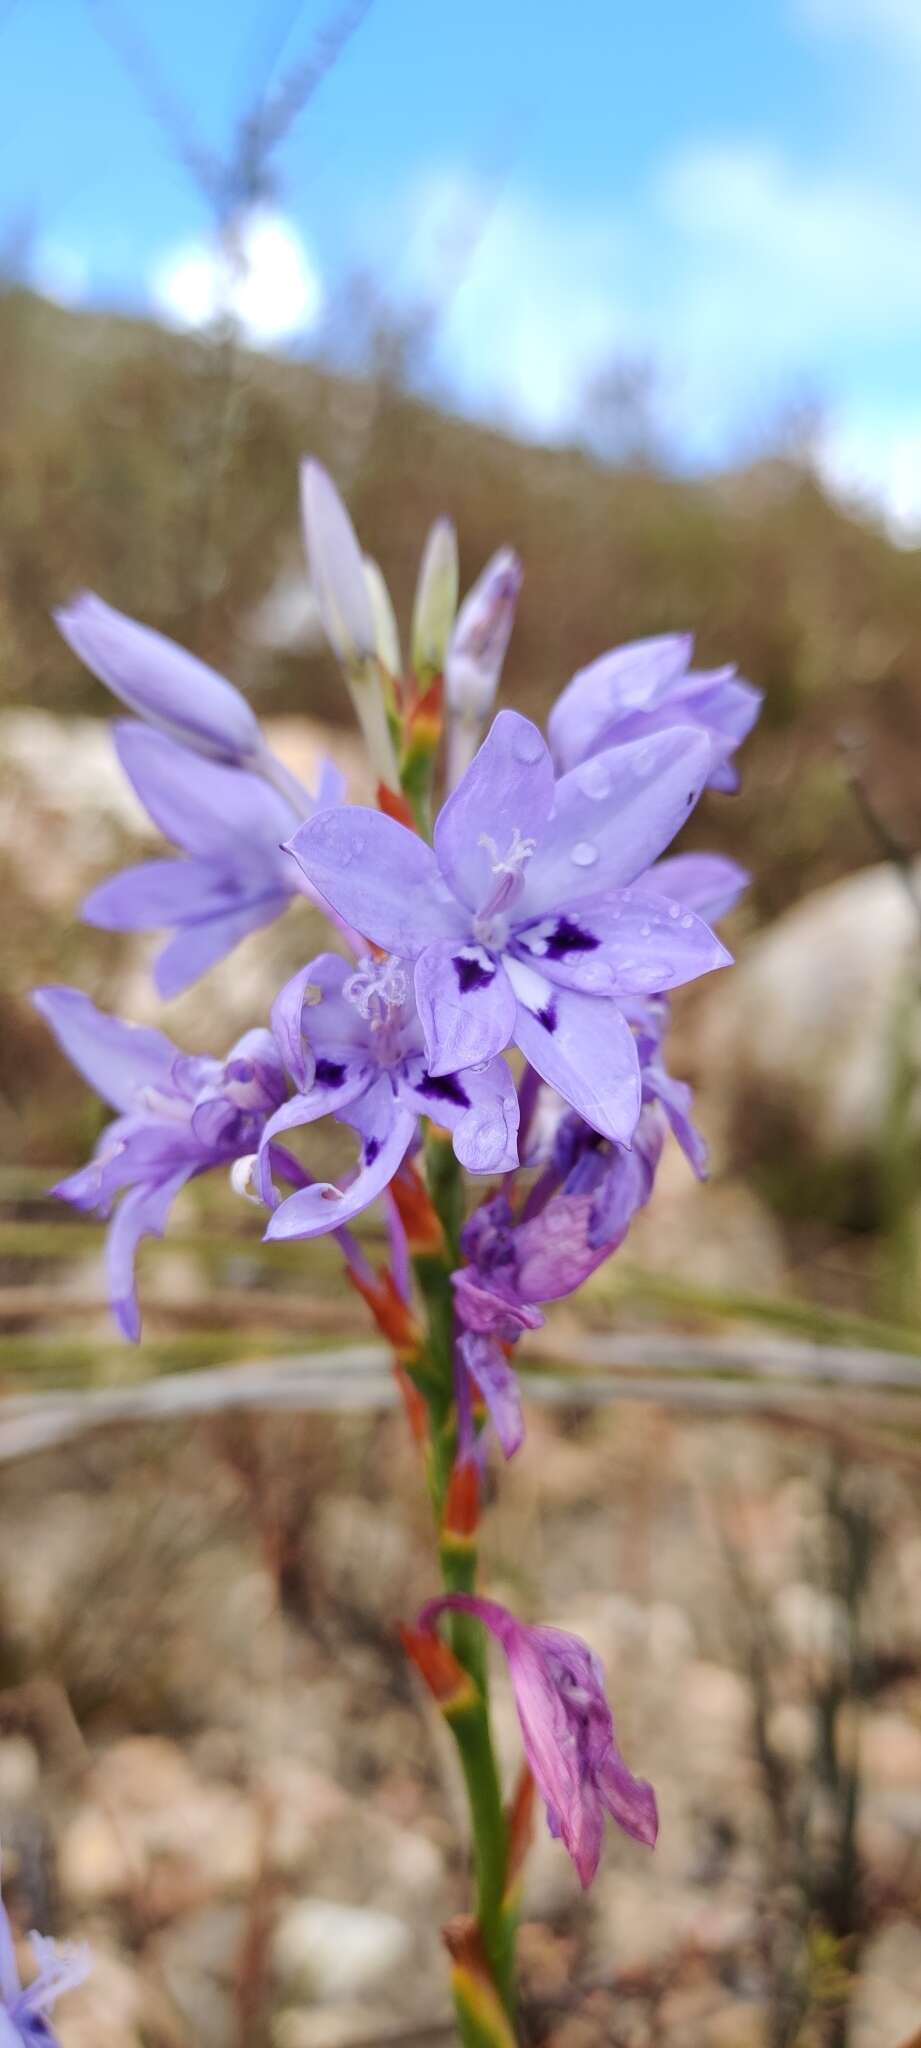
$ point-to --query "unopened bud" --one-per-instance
(436, 601)
(481, 635)
(387, 634)
(337, 570)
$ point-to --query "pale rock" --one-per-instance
(812, 1623)
(890, 1750)
(801, 1030)
(887, 1993)
(198, 1959)
(150, 1814)
(330, 2026)
(328, 1951)
(20, 1771)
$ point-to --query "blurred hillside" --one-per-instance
(161, 471)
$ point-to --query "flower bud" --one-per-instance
(337, 569)
(436, 600)
(386, 631)
(161, 682)
(481, 635)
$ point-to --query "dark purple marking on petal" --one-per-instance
(471, 972)
(372, 1149)
(329, 1073)
(568, 937)
(444, 1088)
(547, 1016)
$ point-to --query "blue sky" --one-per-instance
(733, 191)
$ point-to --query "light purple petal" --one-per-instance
(322, 1099)
(480, 1109)
(142, 1212)
(503, 800)
(118, 1059)
(612, 818)
(287, 1015)
(381, 878)
(160, 681)
(478, 643)
(215, 812)
(193, 951)
(465, 1003)
(677, 1101)
(708, 883)
(497, 1381)
(9, 1969)
(310, 1212)
(160, 893)
(583, 1046)
(631, 943)
(627, 679)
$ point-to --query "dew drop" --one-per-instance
(527, 745)
(645, 931)
(594, 780)
(584, 854)
(687, 922)
(674, 910)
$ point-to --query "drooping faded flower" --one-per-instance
(568, 1732)
(24, 2010)
(235, 877)
(178, 1116)
(357, 1029)
(644, 688)
(523, 923)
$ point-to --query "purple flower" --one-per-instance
(178, 1116)
(644, 688)
(24, 2013)
(164, 684)
(231, 826)
(568, 1732)
(521, 923)
(357, 1027)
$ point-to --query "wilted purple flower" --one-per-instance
(178, 1116)
(357, 1028)
(164, 684)
(521, 922)
(24, 2012)
(568, 1732)
(644, 688)
(231, 825)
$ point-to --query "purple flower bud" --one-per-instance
(568, 1732)
(164, 684)
(476, 649)
(337, 570)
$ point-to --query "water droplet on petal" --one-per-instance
(645, 931)
(687, 922)
(594, 780)
(674, 910)
(584, 854)
(527, 745)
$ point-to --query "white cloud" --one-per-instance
(896, 23)
(875, 463)
(526, 299)
(788, 261)
(272, 286)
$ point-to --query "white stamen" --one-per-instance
(516, 856)
(376, 989)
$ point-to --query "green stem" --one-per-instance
(471, 1726)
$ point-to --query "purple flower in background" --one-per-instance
(178, 1116)
(162, 683)
(521, 923)
(357, 1030)
(644, 688)
(24, 2012)
(568, 1732)
(231, 825)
